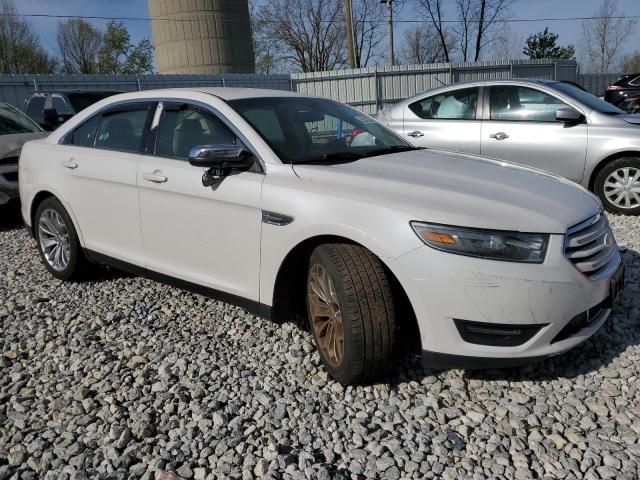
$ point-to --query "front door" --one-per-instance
(521, 127)
(447, 121)
(99, 164)
(209, 236)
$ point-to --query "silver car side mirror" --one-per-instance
(568, 115)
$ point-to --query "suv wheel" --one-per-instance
(57, 241)
(618, 186)
(351, 312)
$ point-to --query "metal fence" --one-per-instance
(15, 88)
(597, 83)
(370, 89)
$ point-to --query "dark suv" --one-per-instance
(52, 108)
(625, 93)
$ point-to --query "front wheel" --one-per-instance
(351, 312)
(618, 186)
(57, 241)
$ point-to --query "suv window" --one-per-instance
(122, 129)
(35, 108)
(182, 127)
(60, 105)
(455, 105)
(522, 104)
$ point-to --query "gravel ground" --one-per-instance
(123, 377)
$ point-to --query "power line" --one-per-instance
(230, 20)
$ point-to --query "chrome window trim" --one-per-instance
(159, 100)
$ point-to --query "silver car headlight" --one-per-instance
(490, 244)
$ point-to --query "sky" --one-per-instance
(570, 31)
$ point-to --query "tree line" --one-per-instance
(310, 35)
(82, 47)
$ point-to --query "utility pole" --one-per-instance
(350, 43)
(389, 30)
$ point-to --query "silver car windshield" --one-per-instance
(302, 129)
(587, 99)
(13, 121)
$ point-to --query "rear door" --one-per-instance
(447, 120)
(520, 126)
(99, 163)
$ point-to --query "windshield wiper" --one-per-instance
(391, 149)
(331, 158)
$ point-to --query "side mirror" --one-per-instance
(220, 157)
(568, 115)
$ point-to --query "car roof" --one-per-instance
(480, 83)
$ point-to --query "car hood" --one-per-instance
(631, 118)
(10, 145)
(456, 189)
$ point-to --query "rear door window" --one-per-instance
(123, 128)
(454, 105)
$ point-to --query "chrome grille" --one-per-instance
(591, 247)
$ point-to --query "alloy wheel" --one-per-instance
(325, 315)
(54, 239)
(622, 187)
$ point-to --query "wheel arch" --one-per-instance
(40, 197)
(289, 292)
(605, 161)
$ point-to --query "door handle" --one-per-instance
(155, 177)
(499, 136)
(416, 134)
(70, 164)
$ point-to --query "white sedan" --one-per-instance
(287, 204)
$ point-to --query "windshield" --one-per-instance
(13, 121)
(587, 99)
(80, 101)
(302, 129)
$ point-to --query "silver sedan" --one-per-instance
(550, 125)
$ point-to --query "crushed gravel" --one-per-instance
(123, 377)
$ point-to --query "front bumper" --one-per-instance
(8, 183)
(445, 288)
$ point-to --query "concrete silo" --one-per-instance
(202, 36)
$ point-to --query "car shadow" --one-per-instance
(621, 331)
(10, 217)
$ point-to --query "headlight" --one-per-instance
(491, 244)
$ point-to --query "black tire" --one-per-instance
(599, 184)
(367, 311)
(77, 266)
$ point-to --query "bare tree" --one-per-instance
(422, 45)
(435, 15)
(477, 24)
(368, 30)
(311, 32)
(20, 50)
(603, 36)
(630, 63)
(79, 43)
(507, 45)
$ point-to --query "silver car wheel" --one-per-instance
(622, 187)
(54, 240)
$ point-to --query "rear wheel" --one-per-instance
(351, 312)
(57, 241)
(618, 186)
